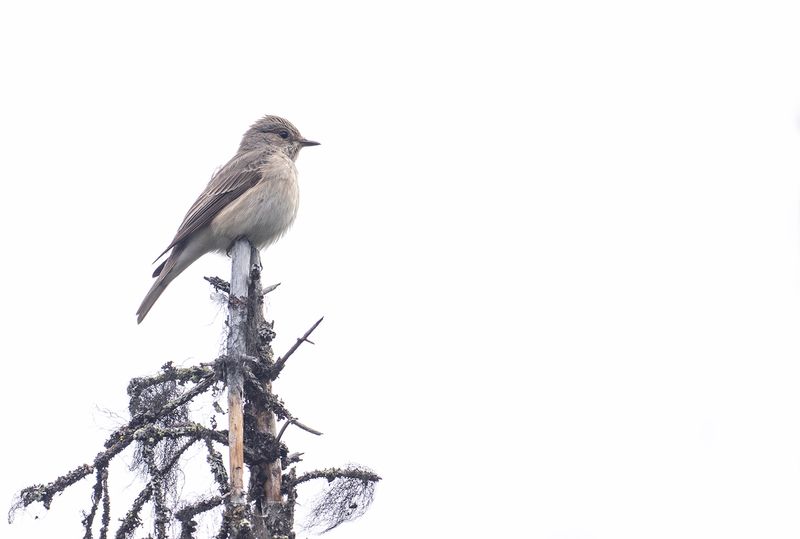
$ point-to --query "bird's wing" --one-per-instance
(237, 176)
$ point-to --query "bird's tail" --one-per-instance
(155, 292)
(164, 274)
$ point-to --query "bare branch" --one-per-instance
(45, 493)
(106, 518)
(335, 473)
(97, 495)
(278, 366)
(300, 425)
(283, 429)
(132, 519)
(306, 428)
(267, 289)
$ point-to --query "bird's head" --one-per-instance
(275, 132)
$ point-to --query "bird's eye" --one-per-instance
(284, 134)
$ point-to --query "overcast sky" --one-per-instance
(555, 244)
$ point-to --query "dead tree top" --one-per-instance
(160, 431)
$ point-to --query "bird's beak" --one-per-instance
(305, 142)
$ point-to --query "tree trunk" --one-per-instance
(237, 349)
(272, 518)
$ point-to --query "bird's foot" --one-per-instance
(228, 250)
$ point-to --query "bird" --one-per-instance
(254, 195)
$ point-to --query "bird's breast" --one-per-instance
(264, 212)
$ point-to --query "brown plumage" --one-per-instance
(255, 195)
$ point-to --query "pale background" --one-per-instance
(556, 245)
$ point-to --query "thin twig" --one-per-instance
(278, 366)
(267, 289)
(283, 429)
(299, 425)
(307, 428)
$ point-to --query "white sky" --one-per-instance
(555, 243)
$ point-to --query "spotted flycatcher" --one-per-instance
(254, 196)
